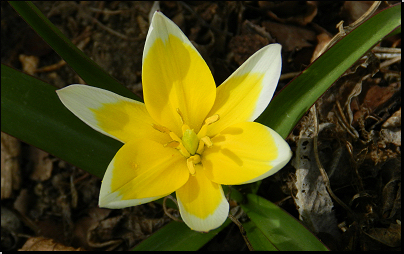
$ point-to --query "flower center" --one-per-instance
(191, 145)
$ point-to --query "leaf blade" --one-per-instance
(282, 230)
(32, 112)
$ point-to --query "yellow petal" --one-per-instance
(141, 172)
(245, 153)
(247, 92)
(202, 204)
(113, 115)
(175, 76)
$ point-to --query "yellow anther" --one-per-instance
(212, 119)
(208, 121)
(191, 161)
(191, 166)
(173, 144)
(201, 147)
(161, 128)
(207, 141)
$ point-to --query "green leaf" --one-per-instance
(286, 109)
(256, 238)
(271, 227)
(176, 236)
(82, 64)
(31, 111)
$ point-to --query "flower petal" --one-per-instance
(247, 92)
(113, 115)
(141, 172)
(202, 204)
(175, 76)
(244, 153)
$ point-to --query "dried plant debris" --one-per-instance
(10, 165)
(11, 227)
(359, 145)
(312, 200)
(43, 244)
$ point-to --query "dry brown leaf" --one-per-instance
(389, 236)
(313, 202)
(42, 168)
(29, 63)
(10, 168)
(291, 37)
(44, 244)
(322, 41)
(298, 12)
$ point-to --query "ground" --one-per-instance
(358, 139)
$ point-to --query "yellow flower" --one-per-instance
(189, 137)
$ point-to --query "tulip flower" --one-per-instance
(188, 136)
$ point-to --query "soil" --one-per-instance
(359, 141)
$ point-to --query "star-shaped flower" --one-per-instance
(189, 137)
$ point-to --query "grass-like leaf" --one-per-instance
(273, 228)
(31, 111)
(176, 236)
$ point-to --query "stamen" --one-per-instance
(161, 128)
(207, 141)
(180, 113)
(201, 147)
(172, 143)
(191, 161)
(202, 131)
(191, 166)
(208, 121)
(212, 119)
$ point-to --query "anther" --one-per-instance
(191, 166)
(161, 128)
(212, 119)
(191, 161)
(207, 141)
(173, 144)
(201, 147)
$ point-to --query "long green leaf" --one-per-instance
(32, 112)
(176, 236)
(286, 109)
(82, 64)
(281, 230)
(257, 239)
